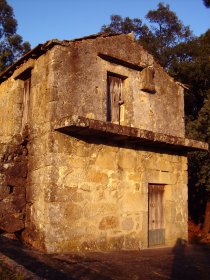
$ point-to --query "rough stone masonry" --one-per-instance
(93, 154)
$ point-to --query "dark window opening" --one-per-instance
(11, 188)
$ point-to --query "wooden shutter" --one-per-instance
(147, 76)
(26, 99)
(115, 98)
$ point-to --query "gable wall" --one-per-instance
(68, 179)
(81, 77)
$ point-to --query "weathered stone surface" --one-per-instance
(109, 222)
(97, 177)
(85, 180)
(12, 222)
(131, 241)
(127, 160)
(18, 170)
(73, 211)
(13, 185)
(103, 160)
(116, 242)
(127, 224)
(122, 133)
(4, 191)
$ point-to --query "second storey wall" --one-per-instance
(80, 85)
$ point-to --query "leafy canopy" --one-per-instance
(191, 65)
(206, 3)
(11, 44)
(165, 31)
(125, 25)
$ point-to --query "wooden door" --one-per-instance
(26, 100)
(115, 98)
(156, 216)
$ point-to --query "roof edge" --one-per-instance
(34, 53)
(43, 48)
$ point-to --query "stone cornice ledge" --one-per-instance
(77, 125)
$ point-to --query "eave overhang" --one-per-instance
(90, 128)
(34, 54)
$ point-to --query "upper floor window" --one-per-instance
(26, 100)
(25, 76)
(115, 98)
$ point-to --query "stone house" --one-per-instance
(93, 154)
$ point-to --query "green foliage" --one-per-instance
(206, 3)
(11, 44)
(194, 69)
(199, 128)
(164, 33)
(126, 25)
(191, 65)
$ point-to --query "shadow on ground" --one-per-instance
(190, 263)
(181, 262)
(29, 260)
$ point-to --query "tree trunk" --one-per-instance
(206, 224)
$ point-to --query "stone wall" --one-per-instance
(13, 158)
(83, 195)
(15, 143)
(96, 195)
(13, 175)
(80, 84)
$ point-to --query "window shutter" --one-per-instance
(115, 98)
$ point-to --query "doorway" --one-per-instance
(156, 229)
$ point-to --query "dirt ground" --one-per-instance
(181, 262)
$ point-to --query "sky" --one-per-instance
(42, 20)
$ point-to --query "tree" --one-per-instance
(164, 33)
(11, 44)
(207, 3)
(199, 168)
(126, 25)
(192, 66)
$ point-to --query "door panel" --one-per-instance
(115, 99)
(26, 101)
(156, 216)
